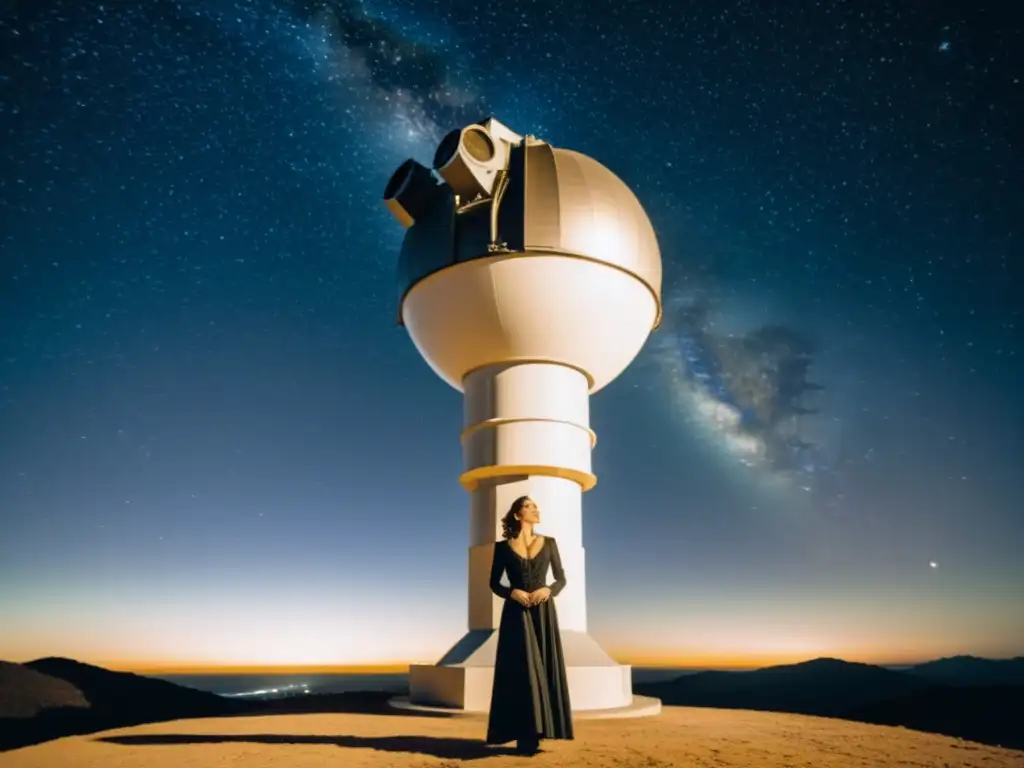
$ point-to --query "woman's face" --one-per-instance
(530, 512)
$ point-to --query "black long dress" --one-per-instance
(530, 698)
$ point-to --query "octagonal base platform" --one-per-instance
(464, 677)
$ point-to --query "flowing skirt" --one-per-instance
(530, 698)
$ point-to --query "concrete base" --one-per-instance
(641, 706)
(463, 678)
(469, 688)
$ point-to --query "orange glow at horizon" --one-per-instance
(275, 628)
(706, 647)
(647, 661)
(745, 661)
(170, 668)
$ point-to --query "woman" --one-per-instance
(530, 698)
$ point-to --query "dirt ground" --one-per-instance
(680, 736)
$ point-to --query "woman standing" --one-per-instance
(530, 698)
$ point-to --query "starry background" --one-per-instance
(218, 446)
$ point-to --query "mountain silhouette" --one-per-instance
(105, 699)
(916, 698)
(124, 692)
(970, 670)
(53, 697)
(824, 686)
(25, 693)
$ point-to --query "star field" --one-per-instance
(218, 446)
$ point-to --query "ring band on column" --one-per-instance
(470, 479)
(497, 422)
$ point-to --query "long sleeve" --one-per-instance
(556, 569)
(497, 569)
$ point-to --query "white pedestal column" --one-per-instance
(526, 433)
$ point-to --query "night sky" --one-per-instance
(217, 446)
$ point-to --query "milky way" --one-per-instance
(411, 77)
(749, 392)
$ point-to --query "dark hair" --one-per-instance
(510, 527)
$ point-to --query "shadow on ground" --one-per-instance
(445, 748)
(54, 724)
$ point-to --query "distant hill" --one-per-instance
(834, 688)
(826, 687)
(970, 670)
(105, 699)
(53, 697)
(130, 695)
(25, 693)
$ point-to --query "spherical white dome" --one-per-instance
(584, 290)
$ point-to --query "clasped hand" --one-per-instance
(526, 599)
